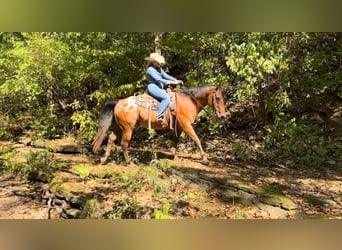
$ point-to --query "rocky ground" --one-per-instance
(160, 187)
(21, 200)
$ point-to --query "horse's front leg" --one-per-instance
(189, 130)
(111, 139)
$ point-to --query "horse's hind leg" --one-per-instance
(111, 139)
(126, 137)
(175, 142)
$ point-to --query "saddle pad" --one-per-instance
(145, 100)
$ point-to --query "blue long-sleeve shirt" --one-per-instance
(158, 76)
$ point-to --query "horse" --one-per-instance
(188, 103)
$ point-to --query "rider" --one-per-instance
(158, 81)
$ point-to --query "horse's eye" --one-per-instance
(218, 99)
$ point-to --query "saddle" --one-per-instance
(148, 102)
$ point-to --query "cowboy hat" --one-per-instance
(156, 57)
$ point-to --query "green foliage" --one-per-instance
(152, 177)
(50, 76)
(124, 209)
(88, 208)
(279, 102)
(54, 83)
(83, 171)
(5, 149)
(303, 143)
(164, 214)
(132, 181)
(252, 57)
(163, 164)
(215, 127)
(107, 174)
(239, 151)
(43, 161)
(86, 122)
(151, 133)
(40, 162)
(238, 215)
(7, 158)
(4, 133)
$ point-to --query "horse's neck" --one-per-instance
(200, 100)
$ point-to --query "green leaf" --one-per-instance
(83, 171)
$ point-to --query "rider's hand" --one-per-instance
(176, 82)
(180, 82)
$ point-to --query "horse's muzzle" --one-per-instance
(221, 116)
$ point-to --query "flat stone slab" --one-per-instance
(278, 201)
(66, 145)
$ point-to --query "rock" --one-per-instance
(37, 175)
(242, 186)
(237, 197)
(336, 117)
(25, 140)
(257, 145)
(59, 195)
(68, 149)
(67, 145)
(279, 201)
(61, 203)
(330, 203)
(38, 144)
(71, 213)
(316, 118)
(331, 162)
(77, 200)
(252, 138)
(272, 211)
(335, 123)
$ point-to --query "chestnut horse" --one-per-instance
(127, 113)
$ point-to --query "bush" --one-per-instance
(35, 165)
(302, 144)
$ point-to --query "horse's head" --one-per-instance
(217, 102)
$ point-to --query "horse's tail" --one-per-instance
(105, 122)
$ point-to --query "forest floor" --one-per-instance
(161, 187)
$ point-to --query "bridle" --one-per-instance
(213, 101)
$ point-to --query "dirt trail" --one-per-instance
(183, 188)
(21, 200)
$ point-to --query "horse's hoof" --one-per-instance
(131, 164)
(205, 161)
(103, 160)
(173, 151)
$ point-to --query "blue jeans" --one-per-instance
(160, 95)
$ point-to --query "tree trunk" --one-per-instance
(157, 40)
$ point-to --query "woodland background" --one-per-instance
(277, 154)
(287, 86)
